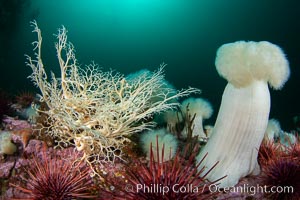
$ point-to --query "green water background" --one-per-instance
(128, 35)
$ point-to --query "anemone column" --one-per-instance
(244, 112)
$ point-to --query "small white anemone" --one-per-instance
(164, 139)
(273, 130)
(208, 130)
(287, 139)
(172, 118)
(6, 146)
(203, 110)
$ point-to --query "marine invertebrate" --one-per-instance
(29, 113)
(293, 150)
(281, 177)
(173, 119)
(6, 146)
(287, 139)
(202, 109)
(174, 179)
(164, 86)
(208, 130)
(191, 142)
(165, 139)
(24, 99)
(243, 116)
(269, 150)
(273, 130)
(96, 109)
(53, 178)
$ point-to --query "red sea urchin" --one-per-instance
(269, 150)
(281, 177)
(25, 99)
(53, 178)
(173, 179)
(293, 150)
